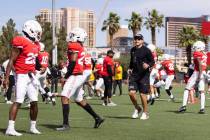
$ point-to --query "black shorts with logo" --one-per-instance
(139, 83)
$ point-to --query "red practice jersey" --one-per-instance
(168, 66)
(99, 68)
(77, 48)
(203, 59)
(107, 61)
(87, 62)
(26, 60)
(43, 58)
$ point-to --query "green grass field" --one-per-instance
(164, 123)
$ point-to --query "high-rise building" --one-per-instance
(122, 32)
(175, 24)
(71, 18)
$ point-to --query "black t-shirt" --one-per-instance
(138, 57)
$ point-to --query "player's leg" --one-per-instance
(120, 86)
(65, 95)
(144, 89)
(9, 90)
(21, 87)
(133, 87)
(201, 88)
(190, 84)
(83, 103)
(114, 87)
(168, 86)
(32, 92)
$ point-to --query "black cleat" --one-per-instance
(152, 101)
(98, 122)
(202, 111)
(182, 109)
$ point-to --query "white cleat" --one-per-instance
(35, 131)
(111, 104)
(135, 114)
(144, 116)
(9, 102)
(11, 132)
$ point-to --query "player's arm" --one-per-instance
(72, 63)
(13, 56)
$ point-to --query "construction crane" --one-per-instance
(102, 12)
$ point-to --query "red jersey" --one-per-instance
(87, 62)
(26, 60)
(203, 59)
(99, 68)
(77, 47)
(107, 61)
(43, 58)
(168, 66)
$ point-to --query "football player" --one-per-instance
(199, 60)
(75, 78)
(153, 74)
(168, 66)
(23, 57)
(42, 73)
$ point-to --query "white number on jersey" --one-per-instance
(31, 58)
(87, 60)
(80, 60)
(44, 60)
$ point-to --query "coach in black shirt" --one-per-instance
(139, 70)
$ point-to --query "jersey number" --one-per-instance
(31, 58)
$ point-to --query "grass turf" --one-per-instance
(164, 123)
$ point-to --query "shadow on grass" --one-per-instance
(118, 117)
(54, 126)
(177, 112)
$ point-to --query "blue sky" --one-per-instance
(22, 10)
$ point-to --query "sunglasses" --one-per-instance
(138, 38)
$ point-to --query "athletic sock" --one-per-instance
(148, 97)
(11, 124)
(66, 114)
(185, 97)
(202, 100)
(89, 109)
(33, 124)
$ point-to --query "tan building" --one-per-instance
(122, 32)
(175, 24)
(71, 18)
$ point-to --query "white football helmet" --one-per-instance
(77, 35)
(166, 57)
(199, 46)
(100, 61)
(33, 29)
(151, 47)
(42, 46)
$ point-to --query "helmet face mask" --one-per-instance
(33, 30)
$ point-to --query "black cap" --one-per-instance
(110, 51)
(139, 36)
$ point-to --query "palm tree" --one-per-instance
(112, 24)
(135, 23)
(153, 21)
(187, 36)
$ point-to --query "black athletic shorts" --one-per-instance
(139, 83)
